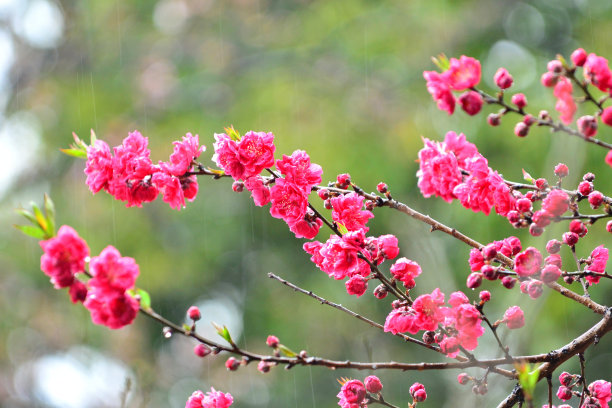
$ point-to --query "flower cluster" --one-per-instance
(461, 74)
(454, 169)
(459, 325)
(107, 299)
(244, 158)
(599, 392)
(354, 393)
(105, 295)
(212, 399)
(130, 175)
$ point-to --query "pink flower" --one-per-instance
(463, 73)
(528, 262)
(439, 171)
(418, 393)
(114, 311)
(348, 211)
(597, 72)
(514, 317)
(476, 260)
(298, 170)
(171, 188)
(185, 152)
(387, 246)
(288, 201)
(247, 157)
(556, 203)
(598, 259)
(259, 191)
(402, 320)
(338, 257)
(565, 102)
(64, 256)
(212, 399)
(440, 91)
(406, 270)
(99, 166)
(503, 79)
(107, 299)
(356, 285)
(352, 394)
(609, 158)
(428, 310)
(308, 227)
(272, 341)
(601, 390)
(467, 322)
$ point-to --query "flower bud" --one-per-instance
(523, 205)
(429, 337)
(609, 226)
(484, 296)
(553, 246)
(194, 313)
(534, 289)
(463, 378)
(272, 341)
(561, 170)
(578, 227)
(585, 188)
(519, 100)
(564, 393)
(344, 179)
(535, 230)
(323, 193)
(489, 252)
(521, 129)
(503, 79)
(570, 238)
(587, 125)
(579, 57)
(417, 391)
(474, 280)
(373, 384)
(550, 273)
(380, 292)
(238, 186)
(494, 119)
(471, 102)
(549, 79)
(382, 187)
(606, 116)
(263, 366)
(201, 350)
(596, 199)
(565, 378)
(514, 317)
(508, 282)
(589, 177)
(489, 272)
(513, 216)
(232, 364)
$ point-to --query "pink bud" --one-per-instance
(554, 66)
(570, 238)
(535, 289)
(503, 79)
(494, 119)
(588, 177)
(513, 216)
(549, 79)
(529, 119)
(564, 393)
(585, 188)
(373, 384)
(521, 129)
(489, 252)
(609, 226)
(471, 102)
(380, 292)
(194, 313)
(541, 218)
(489, 272)
(356, 285)
(382, 188)
(344, 179)
(508, 282)
(238, 186)
(232, 364)
(553, 246)
(606, 116)
(535, 230)
(561, 170)
(263, 366)
(201, 350)
(417, 390)
(323, 194)
(463, 378)
(596, 199)
(485, 295)
(514, 317)
(474, 280)
(541, 183)
(523, 205)
(579, 57)
(587, 125)
(565, 378)
(550, 273)
(578, 227)
(272, 341)
(519, 100)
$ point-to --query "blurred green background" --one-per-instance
(339, 79)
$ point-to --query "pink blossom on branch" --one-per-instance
(348, 211)
(244, 158)
(64, 256)
(440, 91)
(463, 73)
(185, 152)
(352, 394)
(298, 169)
(212, 399)
(598, 261)
(565, 101)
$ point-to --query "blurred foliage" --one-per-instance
(339, 79)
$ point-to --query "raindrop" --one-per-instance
(167, 331)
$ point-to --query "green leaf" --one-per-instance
(143, 295)
(232, 133)
(287, 351)
(441, 62)
(224, 332)
(79, 154)
(50, 213)
(528, 378)
(186, 327)
(40, 218)
(342, 229)
(527, 177)
(33, 231)
(27, 214)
